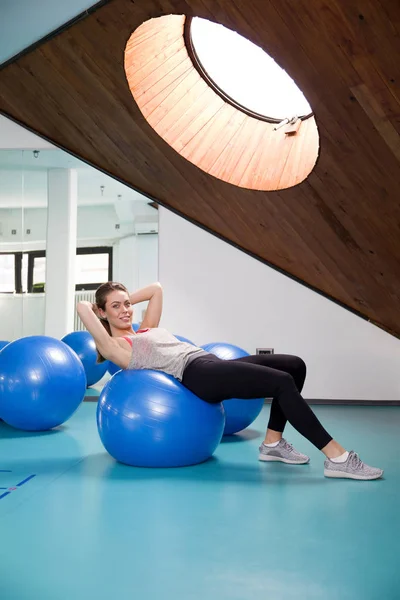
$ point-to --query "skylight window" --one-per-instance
(245, 73)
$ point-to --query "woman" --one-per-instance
(281, 377)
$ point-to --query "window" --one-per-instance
(93, 267)
(7, 273)
(35, 276)
(26, 272)
(240, 118)
(244, 73)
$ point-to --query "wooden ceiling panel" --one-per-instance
(338, 231)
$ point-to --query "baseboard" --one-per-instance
(315, 402)
(333, 402)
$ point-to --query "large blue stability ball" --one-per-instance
(42, 383)
(3, 344)
(83, 344)
(149, 419)
(112, 368)
(239, 414)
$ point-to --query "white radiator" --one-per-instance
(89, 297)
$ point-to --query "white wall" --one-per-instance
(33, 314)
(125, 262)
(96, 224)
(136, 265)
(11, 324)
(21, 315)
(214, 292)
(147, 266)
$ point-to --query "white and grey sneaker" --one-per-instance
(283, 452)
(352, 468)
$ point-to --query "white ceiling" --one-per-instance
(23, 173)
(28, 188)
(14, 136)
(39, 160)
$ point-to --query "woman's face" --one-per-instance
(118, 310)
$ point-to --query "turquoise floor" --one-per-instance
(85, 527)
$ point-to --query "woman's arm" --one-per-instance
(154, 295)
(106, 345)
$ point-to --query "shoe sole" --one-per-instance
(266, 458)
(342, 475)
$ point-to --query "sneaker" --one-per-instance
(352, 468)
(283, 452)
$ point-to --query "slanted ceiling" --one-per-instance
(338, 231)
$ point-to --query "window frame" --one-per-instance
(80, 287)
(198, 65)
(33, 254)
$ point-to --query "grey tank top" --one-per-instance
(158, 349)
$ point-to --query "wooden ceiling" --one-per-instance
(338, 231)
(213, 134)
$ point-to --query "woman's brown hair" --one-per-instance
(101, 295)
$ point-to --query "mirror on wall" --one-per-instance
(13, 250)
(117, 236)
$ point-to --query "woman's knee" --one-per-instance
(299, 366)
(286, 382)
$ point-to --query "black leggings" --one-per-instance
(277, 376)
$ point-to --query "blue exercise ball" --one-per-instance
(42, 383)
(239, 414)
(113, 368)
(183, 339)
(135, 327)
(149, 419)
(83, 344)
(3, 344)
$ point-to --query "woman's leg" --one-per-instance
(293, 365)
(296, 367)
(215, 380)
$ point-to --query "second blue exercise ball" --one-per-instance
(42, 383)
(83, 344)
(239, 413)
(3, 344)
(112, 368)
(149, 419)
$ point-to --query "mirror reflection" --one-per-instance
(116, 239)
